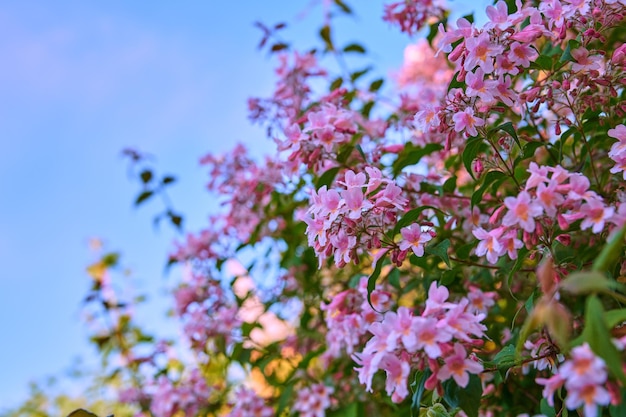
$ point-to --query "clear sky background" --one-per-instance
(80, 81)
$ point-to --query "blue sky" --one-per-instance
(79, 82)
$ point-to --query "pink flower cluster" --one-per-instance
(436, 339)
(168, 399)
(342, 223)
(313, 401)
(349, 315)
(551, 195)
(412, 15)
(248, 403)
(584, 376)
(206, 311)
(325, 129)
(292, 89)
(618, 150)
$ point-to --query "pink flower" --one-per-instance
(548, 198)
(595, 215)
(522, 54)
(522, 211)
(552, 384)
(511, 243)
(499, 15)
(477, 86)
(489, 243)
(397, 372)
(428, 336)
(465, 120)
(458, 366)
(591, 395)
(414, 238)
(481, 51)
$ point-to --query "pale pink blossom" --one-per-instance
(458, 366)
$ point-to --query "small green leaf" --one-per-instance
(394, 278)
(585, 282)
(440, 250)
(615, 317)
(508, 128)
(597, 335)
(143, 197)
(354, 47)
(376, 84)
(411, 155)
(279, 46)
(418, 388)
(506, 358)
(146, 176)
(472, 147)
(468, 398)
(611, 251)
(358, 74)
(81, 413)
(337, 82)
(410, 217)
(168, 180)
(545, 408)
(343, 6)
(326, 178)
(371, 282)
(325, 35)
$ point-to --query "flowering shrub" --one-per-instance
(449, 245)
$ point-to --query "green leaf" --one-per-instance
(279, 46)
(168, 180)
(508, 128)
(394, 278)
(615, 317)
(286, 396)
(337, 82)
(326, 178)
(412, 155)
(376, 84)
(455, 83)
(410, 217)
(468, 398)
(463, 251)
(472, 147)
(143, 197)
(611, 251)
(450, 185)
(521, 257)
(81, 413)
(567, 53)
(619, 410)
(358, 74)
(585, 282)
(440, 250)
(343, 6)
(545, 408)
(488, 179)
(146, 176)
(325, 35)
(354, 47)
(506, 358)
(418, 388)
(597, 335)
(350, 410)
(371, 282)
